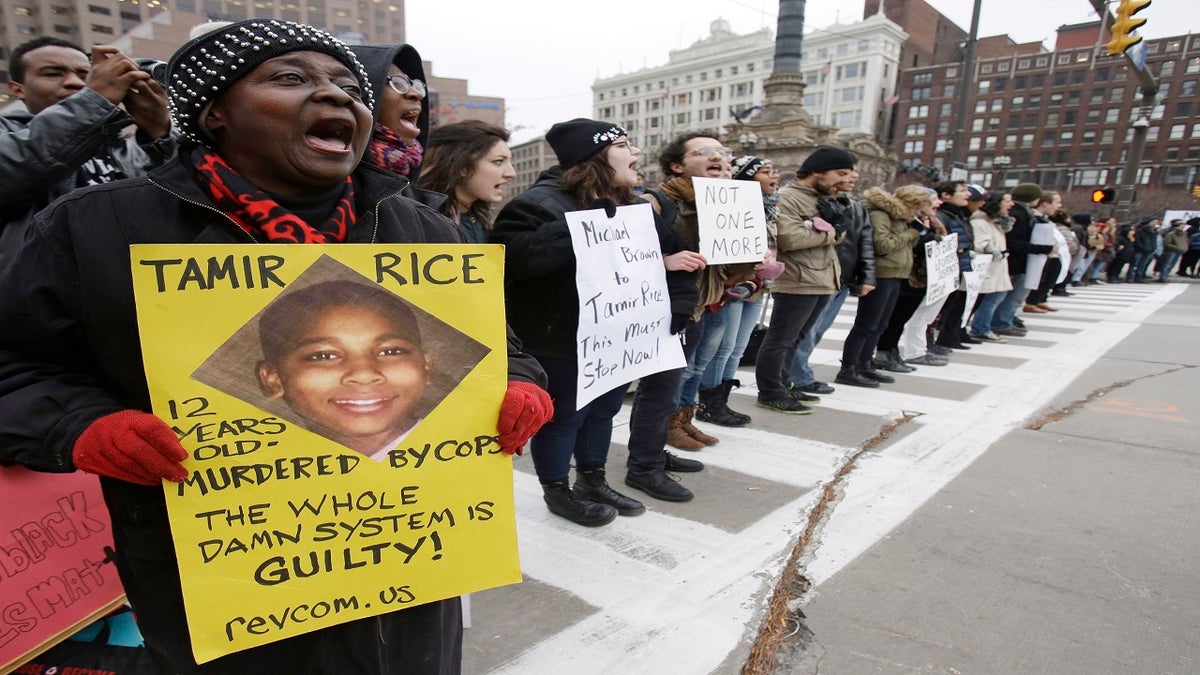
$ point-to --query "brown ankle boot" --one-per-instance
(677, 437)
(688, 411)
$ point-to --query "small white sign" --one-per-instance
(973, 281)
(732, 221)
(624, 306)
(941, 268)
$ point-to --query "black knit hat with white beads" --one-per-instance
(205, 67)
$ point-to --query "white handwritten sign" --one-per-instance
(941, 268)
(624, 308)
(973, 280)
(733, 223)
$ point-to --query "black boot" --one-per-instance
(889, 360)
(867, 370)
(849, 375)
(562, 502)
(714, 411)
(727, 387)
(592, 486)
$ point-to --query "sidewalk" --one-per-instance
(684, 587)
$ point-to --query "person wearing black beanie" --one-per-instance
(580, 138)
(276, 116)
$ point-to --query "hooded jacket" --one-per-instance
(376, 60)
(988, 235)
(70, 354)
(41, 155)
(894, 239)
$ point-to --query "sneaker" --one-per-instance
(1018, 322)
(989, 337)
(659, 484)
(1010, 332)
(802, 396)
(818, 387)
(971, 340)
(928, 360)
(681, 465)
(940, 350)
(788, 406)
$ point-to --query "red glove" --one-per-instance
(525, 409)
(132, 446)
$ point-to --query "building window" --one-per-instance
(97, 9)
(1060, 78)
(977, 124)
(1042, 61)
(985, 86)
(1093, 116)
(989, 143)
(1196, 131)
(999, 85)
(919, 130)
(922, 78)
(948, 91)
(1051, 119)
(946, 111)
(1116, 95)
(985, 68)
(1026, 142)
(1177, 131)
(981, 105)
(1112, 115)
(973, 143)
(914, 147)
(1017, 102)
(918, 111)
(1002, 67)
(943, 128)
(952, 71)
(1064, 59)
(997, 104)
(940, 145)
(1081, 57)
(1187, 88)
(1097, 97)
(1167, 68)
(922, 93)
(1023, 64)
(104, 30)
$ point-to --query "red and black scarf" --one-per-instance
(263, 217)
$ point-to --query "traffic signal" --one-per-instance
(1106, 195)
(1126, 24)
(1196, 191)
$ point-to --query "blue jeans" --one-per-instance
(985, 310)
(653, 403)
(712, 325)
(584, 434)
(1011, 304)
(800, 373)
(793, 316)
(1137, 268)
(741, 316)
(1169, 260)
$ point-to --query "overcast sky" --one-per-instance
(543, 55)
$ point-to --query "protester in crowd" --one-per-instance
(697, 155)
(893, 240)
(987, 225)
(1188, 267)
(1145, 239)
(1123, 247)
(1175, 244)
(856, 255)
(1081, 227)
(1102, 242)
(470, 162)
(597, 169)
(274, 136)
(1020, 249)
(914, 345)
(809, 229)
(1064, 222)
(958, 202)
(743, 304)
(72, 132)
(1045, 229)
(401, 115)
(910, 301)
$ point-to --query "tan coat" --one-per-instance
(985, 233)
(810, 262)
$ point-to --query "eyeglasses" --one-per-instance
(402, 84)
(625, 143)
(708, 152)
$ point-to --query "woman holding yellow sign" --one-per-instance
(277, 116)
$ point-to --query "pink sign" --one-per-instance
(54, 574)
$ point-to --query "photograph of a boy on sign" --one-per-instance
(345, 358)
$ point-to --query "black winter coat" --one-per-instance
(539, 264)
(856, 252)
(1017, 239)
(69, 354)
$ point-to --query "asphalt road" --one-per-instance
(1030, 508)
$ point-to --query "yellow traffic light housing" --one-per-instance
(1125, 24)
(1196, 191)
(1106, 195)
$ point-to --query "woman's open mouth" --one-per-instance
(331, 135)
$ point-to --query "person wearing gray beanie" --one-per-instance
(276, 117)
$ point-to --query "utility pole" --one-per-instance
(959, 145)
(1127, 189)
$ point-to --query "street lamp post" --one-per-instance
(1002, 162)
(749, 141)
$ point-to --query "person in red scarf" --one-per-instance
(276, 116)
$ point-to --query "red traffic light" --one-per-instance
(1104, 195)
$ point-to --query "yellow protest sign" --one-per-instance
(339, 407)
